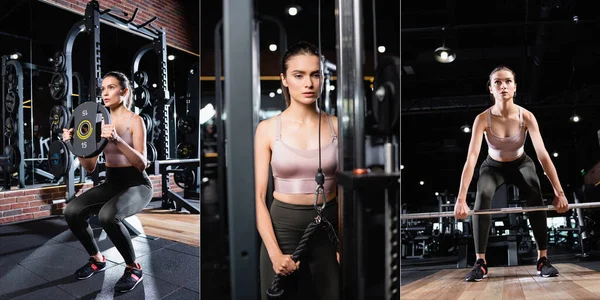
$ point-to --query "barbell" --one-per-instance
(494, 211)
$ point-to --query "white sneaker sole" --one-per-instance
(546, 276)
(478, 280)
(97, 271)
(125, 291)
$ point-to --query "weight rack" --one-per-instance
(91, 26)
(18, 68)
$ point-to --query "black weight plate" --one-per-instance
(185, 179)
(86, 122)
(141, 97)
(58, 86)
(59, 158)
(185, 150)
(147, 121)
(140, 77)
(386, 93)
(13, 158)
(11, 101)
(151, 152)
(10, 127)
(59, 116)
(186, 124)
(59, 61)
(12, 81)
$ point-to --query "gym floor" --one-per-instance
(38, 259)
(416, 269)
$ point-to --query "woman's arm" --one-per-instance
(136, 155)
(472, 157)
(545, 160)
(262, 158)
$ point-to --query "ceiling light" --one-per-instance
(555, 154)
(278, 91)
(444, 55)
(271, 94)
(15, 55)
(575, 118)
(293, 10)
(465, 128)
(381, 49)
(273, 47)
(171, 57)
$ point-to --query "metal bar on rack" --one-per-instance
(506, 210)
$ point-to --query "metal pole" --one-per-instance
(238, 25)
(221, 132)
(350, 110)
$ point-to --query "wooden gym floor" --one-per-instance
(171, 225)
(518, 282)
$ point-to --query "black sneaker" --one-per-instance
(130, 279)
(479, 271)
(91, 268)
(545, 269)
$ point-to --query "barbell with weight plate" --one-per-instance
(185, 150)
(12, 81)
(141, 97)
(147, 121)
(493, 211)
(59, 115)
(86, 122)
(58, 86)
(186, 124)
(59, 61)
(140, 77)
(10, 127)
(59, 158)
(152, 154)
(11, 101)
(10, 159)
(184, 178)
(386, 94)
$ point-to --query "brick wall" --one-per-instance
(170, 16)
(30, 204)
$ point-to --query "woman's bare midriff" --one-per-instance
(117, 166)
(303, 199)
(506, 160)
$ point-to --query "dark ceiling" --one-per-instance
(305, 26)
(551, 45)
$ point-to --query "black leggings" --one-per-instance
(520, 172)
(318, 274)
(125, 192)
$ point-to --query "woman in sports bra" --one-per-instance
(289, 143)
(126, 190)
(505, 127)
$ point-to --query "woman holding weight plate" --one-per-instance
(126, 191)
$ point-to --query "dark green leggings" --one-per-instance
(520, 172)
(318, 274)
